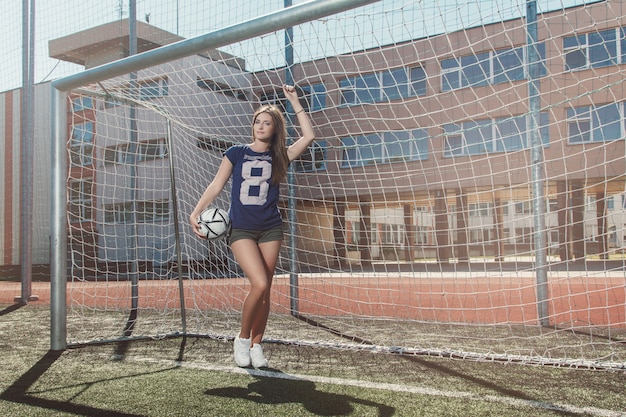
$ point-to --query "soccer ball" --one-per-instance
(214, 223)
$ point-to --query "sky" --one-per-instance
(189, 18)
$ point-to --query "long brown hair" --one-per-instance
(278, 145)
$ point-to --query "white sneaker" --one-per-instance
(257, 358)
(242, 352)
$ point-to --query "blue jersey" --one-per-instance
(254, 199)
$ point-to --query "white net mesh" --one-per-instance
(410, 223)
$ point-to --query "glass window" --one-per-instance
(370, 148)
(475, 70)
(579, 131)
(593, 50)
(117, 154)
(510, 134)
(478, 136)
(367, 88)
(579, 125)
(575, 59)
(221, 88)
(152, 89)
(421, 235)
(348, 93)
(315, 96)
(361, 150)
(150, 211)
(450, 74)
(109, 213)
(123, 212)
(349, 155)
(606, 122)
(360, 89)
(82, 103)
(480, 209)
(508, 65)
(418, 81)
(494, 67)
(469, 138)
(81, 144)
(80, 204)
(385, 85)
(149, 90)
(153, 149)
(602, 48)
(420, 144)
(313, 159)
(394, 84)
(398, 145)
(110, 102)
(597, 124)
(523, 207)
(110, 155)
(575, 48)
(453, 140)
(385, 147)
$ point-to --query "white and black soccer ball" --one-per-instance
(214, 223)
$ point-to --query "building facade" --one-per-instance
(422, 150)
(11, 178)
(429, 141)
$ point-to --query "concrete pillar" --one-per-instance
(409, 235)
(339, 222)
(365, 224)
(461, 227)
(441, 227)
(498, 246)
(578, 221)
(565, 252)
(603, 237)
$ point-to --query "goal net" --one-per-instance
(445, 208)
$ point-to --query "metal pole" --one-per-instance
(27, 134)
(26, 178)
(58, 224)
(539, 204)
(291, 198)
(132, 153)
(179, 255)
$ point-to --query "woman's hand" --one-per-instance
(193, 219)
(292, 95)
(211, 193)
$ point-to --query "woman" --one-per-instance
(257, 170)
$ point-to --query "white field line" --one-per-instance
(555, 406)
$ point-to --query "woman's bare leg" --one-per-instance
(258, 263)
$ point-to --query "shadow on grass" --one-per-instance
(439, 367)
(492, 385)
(269, 390)
(123, 346)
(11, 308)
(18, 392)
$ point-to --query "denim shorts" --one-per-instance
(259, 236)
